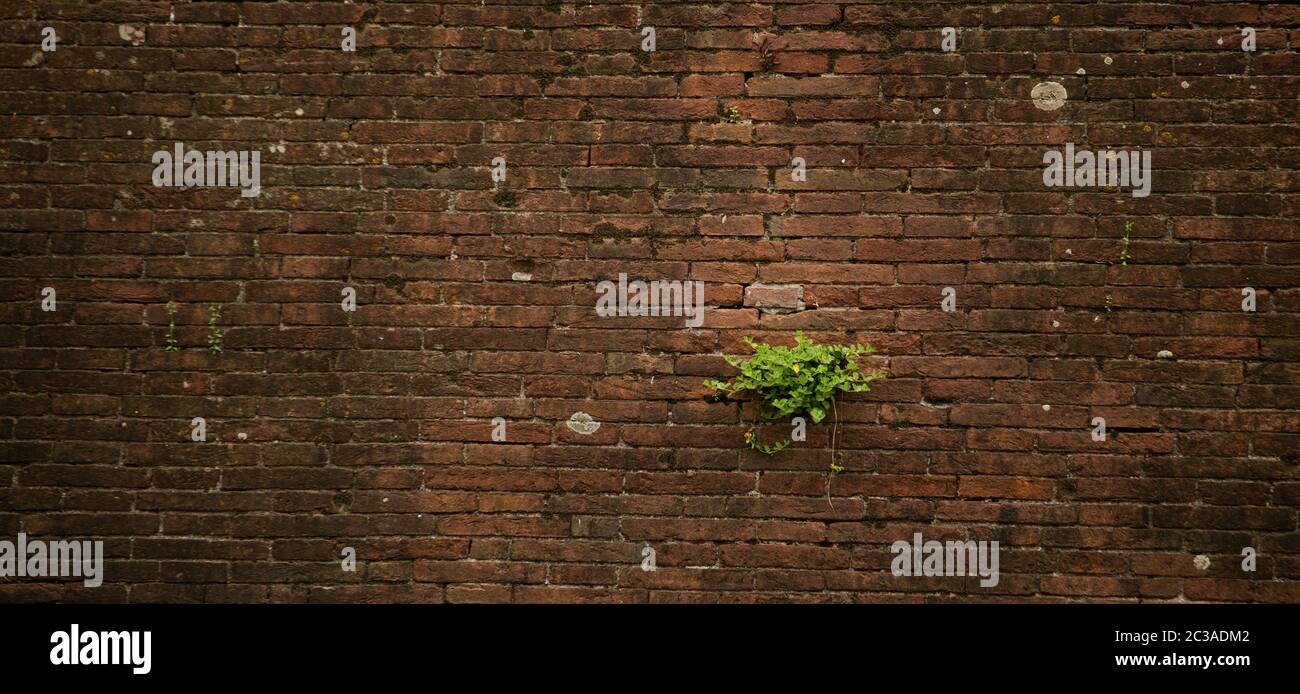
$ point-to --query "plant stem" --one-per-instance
(170, 340)
(834, 430)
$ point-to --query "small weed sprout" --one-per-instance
(170, 344)
(215, 334)
(766, 56)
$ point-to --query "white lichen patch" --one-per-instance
(582, 423)
(1048, 96)
(131, 33)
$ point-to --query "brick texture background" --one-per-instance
(372, 429)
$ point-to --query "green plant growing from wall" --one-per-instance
(214, 333)
(170, 344)
(1124, 257)
(794, 381)
(734, 115)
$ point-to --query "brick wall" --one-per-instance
(327, 429)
